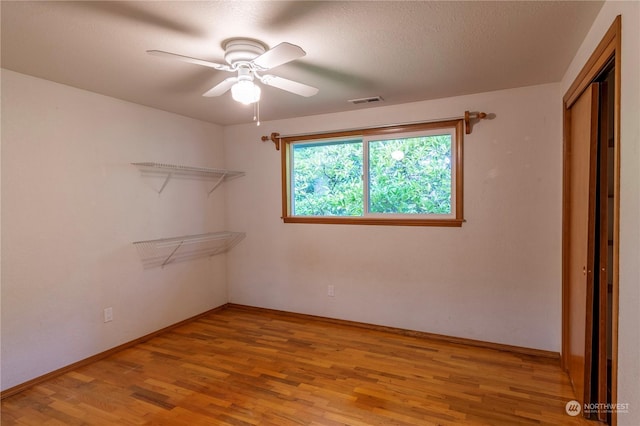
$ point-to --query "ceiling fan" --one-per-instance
(249, 58)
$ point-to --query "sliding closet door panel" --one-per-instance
(581, 216)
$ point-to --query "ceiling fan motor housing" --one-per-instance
(244, 74)
(242, 50)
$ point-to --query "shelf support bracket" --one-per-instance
(168, 259)
(274, 137)
(166, 181)
(217, 184)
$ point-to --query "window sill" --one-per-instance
(375, 221)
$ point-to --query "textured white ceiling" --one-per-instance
(401, 50)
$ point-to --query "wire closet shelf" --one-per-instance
(160, 252)
(172, 170)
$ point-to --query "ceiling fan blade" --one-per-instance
(281, 54)
(189, 59)
(289, 85)
(221, 87)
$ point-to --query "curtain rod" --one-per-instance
(276, 138)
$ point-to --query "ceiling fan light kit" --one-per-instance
(245, 92)
(249, 58)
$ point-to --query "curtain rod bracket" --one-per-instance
(467, 119)
(274, 137)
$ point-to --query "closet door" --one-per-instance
(581, 174)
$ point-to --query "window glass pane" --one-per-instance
(410, 175)
(327, 179)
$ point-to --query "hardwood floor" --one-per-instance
(251, 367)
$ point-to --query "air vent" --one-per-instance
(366, 100)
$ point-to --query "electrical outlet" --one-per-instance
(331, 290)
(108, 314)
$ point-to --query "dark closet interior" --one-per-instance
(601, 333)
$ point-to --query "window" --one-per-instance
(401, 175)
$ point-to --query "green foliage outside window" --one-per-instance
(410, 175)
(406, 176)
(328, 179)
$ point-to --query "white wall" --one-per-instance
(496, 279)
(71, 207)
(629, 320)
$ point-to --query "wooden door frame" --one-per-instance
(609, 47)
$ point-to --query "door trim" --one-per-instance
(609, 47)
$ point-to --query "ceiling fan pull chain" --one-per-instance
(256, 113)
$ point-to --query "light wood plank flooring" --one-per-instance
(251, 367)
